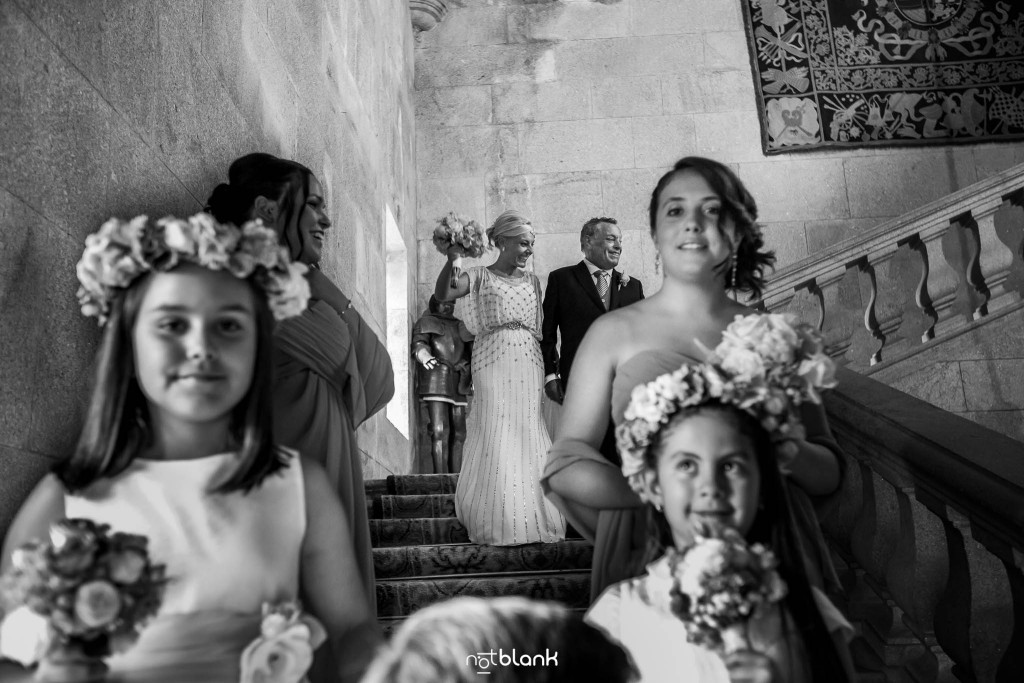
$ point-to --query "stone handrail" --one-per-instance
(930, 516)
(914, 279)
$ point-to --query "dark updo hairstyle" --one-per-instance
(774, 526)
(261, 175)
(739, 206)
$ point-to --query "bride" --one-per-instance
(499, 497)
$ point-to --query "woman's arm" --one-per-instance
(321, 287)
(585, 419)
(816, 466)
(331, 585)
(443, 290)
(43, 507)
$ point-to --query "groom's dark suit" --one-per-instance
(571, 305)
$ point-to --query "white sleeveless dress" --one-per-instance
(226, 554)
(499, 498)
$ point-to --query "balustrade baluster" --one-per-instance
(942, 297)
(838, 294)
(990, 263)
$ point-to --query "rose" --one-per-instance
(97, 603)
(179, 235)
(817, 372)
(214, 241)
(74, 545)
(127, 566)
(25, 636)
(284, 651)
(744, 365)
(288, 292)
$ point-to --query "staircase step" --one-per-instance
(400, 597)
(375, 487)
(421, 484)
(391, 624)
(434, 560)
(386, 533)
(407, 507)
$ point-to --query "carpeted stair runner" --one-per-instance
(422, 553)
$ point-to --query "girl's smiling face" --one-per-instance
(707, 476)
(194, 343)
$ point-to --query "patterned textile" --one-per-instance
(869, 73)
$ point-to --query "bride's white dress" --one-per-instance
(226, 554)
(499, 498)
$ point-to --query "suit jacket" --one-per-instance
(571, 305)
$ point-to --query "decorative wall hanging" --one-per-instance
(872, 73)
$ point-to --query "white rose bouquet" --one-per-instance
(718, 585)
(283, 652)
(465, 235)
(76, 598)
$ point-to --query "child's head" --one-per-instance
(451, 641)
(188, 310)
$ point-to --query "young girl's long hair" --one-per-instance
(774, 526)
(117, 427)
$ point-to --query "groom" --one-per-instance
(576, 296)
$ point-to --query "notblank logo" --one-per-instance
(484, 661)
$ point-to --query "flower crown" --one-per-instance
(766, 365)
(121, 251)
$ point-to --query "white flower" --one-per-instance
(288, 293)
(283, 652)
(623, 278)
(24, 636)
(744, 365)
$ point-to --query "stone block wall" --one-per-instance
(110, 107)
(573, 109)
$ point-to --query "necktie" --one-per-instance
(602, 285)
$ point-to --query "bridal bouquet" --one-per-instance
(79, 596)
(283, 652)
(468, 236)
(718, 585)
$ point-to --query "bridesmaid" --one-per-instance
(331, 371)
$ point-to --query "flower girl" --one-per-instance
(178, 446)
(703, 447)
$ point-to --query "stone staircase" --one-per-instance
(422, 553)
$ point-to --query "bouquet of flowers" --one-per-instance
(718, 585)
(283, 652)
(468, 236)
(766, 365)
(75, 598)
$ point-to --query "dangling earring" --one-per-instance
(657, 262)
(732, 271)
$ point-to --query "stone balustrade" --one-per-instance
(915, 279)
(930, 517)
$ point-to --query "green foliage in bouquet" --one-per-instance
(94, 588)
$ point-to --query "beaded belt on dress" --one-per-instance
(514, 325)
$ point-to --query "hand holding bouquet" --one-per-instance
(719, 584)
(75, 598)
(461, 237)
(283, 652)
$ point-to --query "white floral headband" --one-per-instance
(121, 251)
(766, 365)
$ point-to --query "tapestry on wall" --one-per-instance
(867, 73)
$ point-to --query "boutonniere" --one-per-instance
(623, 279)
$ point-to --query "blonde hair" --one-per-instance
(509, 224)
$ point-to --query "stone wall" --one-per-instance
(119, 108)
(567, 110)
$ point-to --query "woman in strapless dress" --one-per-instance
(703, 223)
